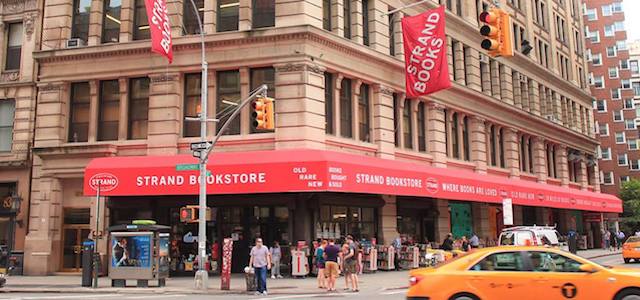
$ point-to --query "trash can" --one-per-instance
(87, 263)
(250, 278)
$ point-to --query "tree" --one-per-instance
(630, 195)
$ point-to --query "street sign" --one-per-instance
(196, 153)
(507, 211)
(200, 146)
(188, 167)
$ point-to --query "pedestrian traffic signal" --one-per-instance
(497, 29)
(191, 213)
(263, 113)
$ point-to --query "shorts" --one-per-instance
(320, 265)
(349, 266)
(331, 269)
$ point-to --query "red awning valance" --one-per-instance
(322, 171)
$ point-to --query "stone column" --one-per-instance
(436, 134)
(450, 53)
(53, 108)
(42, 243)
(95, 23)
(496, 86)
(176, 11)
(443, 223)
(472, 69)
(478, 140)
(212, 79)
(355, 98)
(164, 114)
(562, 164)
(582, 173)
(94, 104)
(211, 16)
(356, 21)
(397, 31)
(512, 152)
(383, 133)
(56, 24)
(292, 13)
(337, 17)
(245, 15)
(245, 89)
(458, 61)
(556, 106)
(596, 178)
(517, 92)
(336, 104)
(539, 159)
(300, 94)
(542, 216)
(388, 220)
(123, 122)
(126, 20)
(534, 97)
(506, 84)
(414, 123)
(401, 103)
(378, 27)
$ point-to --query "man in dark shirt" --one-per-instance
(447, 245)
(331, 264)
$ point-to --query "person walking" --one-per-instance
(397, 244)
(276, 255)
(330, 255)
(474, 241)
(606, 240)
(620, 237)
(350, 261)
(260, 260)
(320, 264)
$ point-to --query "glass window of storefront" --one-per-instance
(343, 220)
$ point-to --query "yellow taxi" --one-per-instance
(631, 249)
(523, 273)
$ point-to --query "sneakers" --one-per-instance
(273, 277)
(257, 293)
(280, 277)
(264, 293)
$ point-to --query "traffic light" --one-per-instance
(497, 29)
(190, 214)
(263, 113)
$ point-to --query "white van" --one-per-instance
(532, 236)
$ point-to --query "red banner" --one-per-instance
(324, 171)
(160, 28)
(425, 53)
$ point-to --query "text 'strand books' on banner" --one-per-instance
(425, 53)
(160, 28)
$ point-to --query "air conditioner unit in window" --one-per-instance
(484, 59)
(75, 43)
(522, 78)
(551, 118)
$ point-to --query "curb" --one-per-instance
(139, 292)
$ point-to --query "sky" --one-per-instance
(632, 21)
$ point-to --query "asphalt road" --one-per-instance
(371, 294)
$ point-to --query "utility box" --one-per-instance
(138, 252)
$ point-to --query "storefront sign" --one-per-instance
(327, 171)
(507, 211)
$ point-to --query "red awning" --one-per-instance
(324, 171)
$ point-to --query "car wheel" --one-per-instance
(466, 296)
(628, 294)
(627, 260)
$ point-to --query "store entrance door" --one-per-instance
(73, 235)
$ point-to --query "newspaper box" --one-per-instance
(138, 252)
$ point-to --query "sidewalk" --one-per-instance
(184, 285)
(595, 253)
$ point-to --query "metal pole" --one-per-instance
(95, 242)
(202, 275)
(403, 7)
